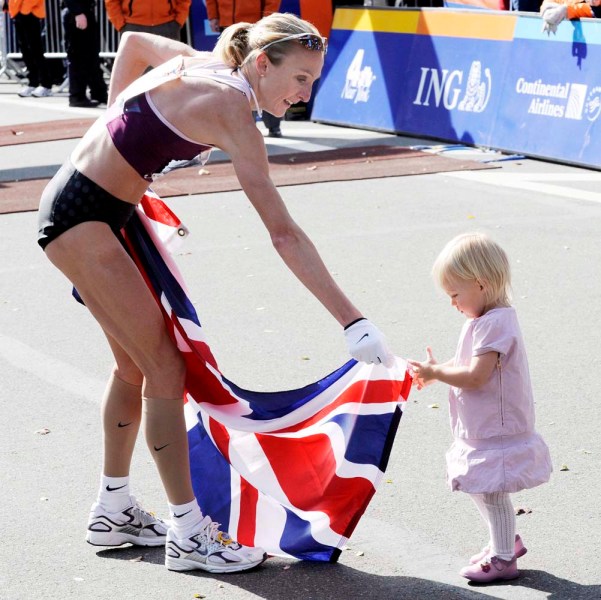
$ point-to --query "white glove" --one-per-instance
(553, 14)
(366, 343)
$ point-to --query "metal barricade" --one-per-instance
(10, 56)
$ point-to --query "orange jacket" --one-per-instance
(37, 7)
(146, 12)
(229, 12)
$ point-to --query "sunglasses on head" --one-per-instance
(311, 41)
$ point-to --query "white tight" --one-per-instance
(497, 511)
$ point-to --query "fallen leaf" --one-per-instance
(305, 358)
(389, 481)
(43, 431)
(360, 553)
(136, 559)
(199, 596)
(564, 468)
(471, 217)
(435, 405)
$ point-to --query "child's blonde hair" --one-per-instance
(475, 256)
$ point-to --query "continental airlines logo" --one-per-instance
(561, 100)
(443, 87)
(359, 78)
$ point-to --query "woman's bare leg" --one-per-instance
(115, 293)
(121, 412)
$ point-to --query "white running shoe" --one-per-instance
(210, 550)
(133, 525)
(26, 91)
(41, 92)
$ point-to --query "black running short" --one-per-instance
(70, 198)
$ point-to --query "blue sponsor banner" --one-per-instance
(514, 89)
(364, 84)
(452, 90)
(552, 104)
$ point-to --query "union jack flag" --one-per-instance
(289, 471)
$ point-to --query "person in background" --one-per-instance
(82, 44)
(223, 13)
(496, 450)
(161, 17)
(28, 18)
(553, 12)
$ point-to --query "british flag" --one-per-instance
(289, 471)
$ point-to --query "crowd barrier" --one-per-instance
(484, 78)
(53, 38)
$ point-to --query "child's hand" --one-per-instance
(423, 373)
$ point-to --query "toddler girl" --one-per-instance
(496, 450)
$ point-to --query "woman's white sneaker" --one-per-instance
(134, 525)
(210, 550)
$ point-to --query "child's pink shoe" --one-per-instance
(519, 550)
(491, 569)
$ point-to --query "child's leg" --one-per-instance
(497, 510)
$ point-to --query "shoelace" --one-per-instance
(147, 518)
(213, 533)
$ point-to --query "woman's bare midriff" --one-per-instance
(97, 158)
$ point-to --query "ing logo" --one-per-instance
(443, 87)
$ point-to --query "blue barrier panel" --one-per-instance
(552, 103)
(476, 77)
(452, 93)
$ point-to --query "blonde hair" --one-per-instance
(242, 41)
(475, 256)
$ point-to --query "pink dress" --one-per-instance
(496, 448)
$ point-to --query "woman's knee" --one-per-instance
(165, 376)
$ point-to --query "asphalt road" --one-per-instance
(379, 238)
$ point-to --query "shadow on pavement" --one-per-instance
(557, 588)
(278, 579)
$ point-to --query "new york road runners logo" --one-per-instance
(445, 87)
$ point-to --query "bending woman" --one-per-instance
(187, 104)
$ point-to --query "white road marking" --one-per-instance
(536, 182)
(52, 371)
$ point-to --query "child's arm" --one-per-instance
(470, 377)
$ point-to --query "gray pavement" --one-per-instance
(379, 238)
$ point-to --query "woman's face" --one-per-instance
(281, 86)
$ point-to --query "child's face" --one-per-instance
(467, 296)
